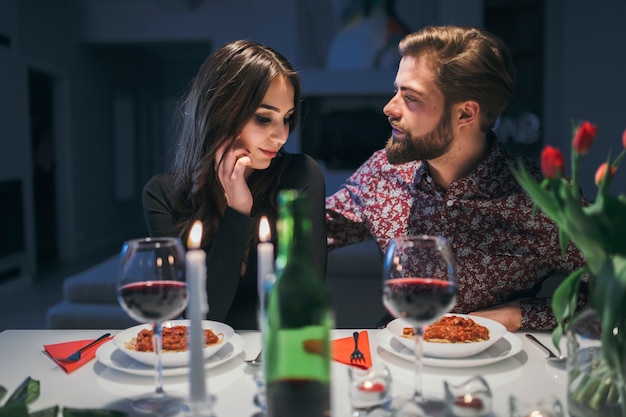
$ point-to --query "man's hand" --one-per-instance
(509, 314)
(231, 165)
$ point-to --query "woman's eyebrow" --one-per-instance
(273, 108)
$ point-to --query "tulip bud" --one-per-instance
(601, 172)
(624, 139)
(584, 137)
(552, 162)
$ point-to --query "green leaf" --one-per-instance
(3, 392)
(610, 303)
(14, 410)
(26, 393)
(46, 412)
(542, 197)
(608, 214)
(564, 301)
(75, 412)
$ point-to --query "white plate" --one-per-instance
(507, 346)
(172, 359)
(112, 357)
(450, 350)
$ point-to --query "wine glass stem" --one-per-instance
(157, 342)
(419, 364)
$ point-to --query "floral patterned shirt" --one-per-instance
(504, 252)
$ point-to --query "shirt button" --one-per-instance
(449, 203)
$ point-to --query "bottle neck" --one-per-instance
(294, 228)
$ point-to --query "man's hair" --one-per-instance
(469, 64)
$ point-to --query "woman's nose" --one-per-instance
(281, 134)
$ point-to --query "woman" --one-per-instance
(229, 165)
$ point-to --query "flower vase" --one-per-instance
(593, 389)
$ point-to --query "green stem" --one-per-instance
(599, 398)
(575, 158)
(585, 389)
(598, 388)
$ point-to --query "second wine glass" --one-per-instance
(151, 287)
(419, 285)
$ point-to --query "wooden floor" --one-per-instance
(24, 301)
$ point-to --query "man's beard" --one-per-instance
(422, 148)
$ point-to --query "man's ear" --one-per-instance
(468, 112)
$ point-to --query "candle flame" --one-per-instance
(264, 230)
(195, 235)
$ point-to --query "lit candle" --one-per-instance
(468, 406)
(540, 413)
(196, 281)
(368, 393)
(265, 264)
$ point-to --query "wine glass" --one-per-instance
(419, 286)
(151, 288)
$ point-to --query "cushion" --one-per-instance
(96, 284)
(66, 315)
(357, 260)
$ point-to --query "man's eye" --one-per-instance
(263, 119)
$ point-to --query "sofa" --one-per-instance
(353, 278)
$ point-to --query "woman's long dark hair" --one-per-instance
(224, 95)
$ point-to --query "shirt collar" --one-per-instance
(484, 176)
(492, 169)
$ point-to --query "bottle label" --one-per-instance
(301, 353)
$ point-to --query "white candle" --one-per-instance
(196, 282)
(265, 263)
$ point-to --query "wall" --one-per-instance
(13, 127)
(591, 81)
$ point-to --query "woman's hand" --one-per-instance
(231, 165)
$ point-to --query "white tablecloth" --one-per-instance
(526, 375)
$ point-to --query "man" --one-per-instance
(443, 172)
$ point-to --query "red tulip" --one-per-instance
(601, 172)
(584, 137)
(624, 139)
(552, 162)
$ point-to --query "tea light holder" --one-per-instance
(472, 398)
(547, 407)
(369, 389)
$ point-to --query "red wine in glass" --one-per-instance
(419, 285)
(420, 301)
(151, 288)
(152, 301)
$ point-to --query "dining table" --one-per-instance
(524, 373)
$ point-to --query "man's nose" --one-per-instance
(391, 109)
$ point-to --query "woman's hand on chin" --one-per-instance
(231, 173)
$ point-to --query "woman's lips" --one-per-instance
(269, 154)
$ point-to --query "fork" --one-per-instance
(74, 357)
(356, 355)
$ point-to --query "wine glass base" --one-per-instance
(410, 407)
(161, 405)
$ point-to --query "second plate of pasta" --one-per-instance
(444, 349)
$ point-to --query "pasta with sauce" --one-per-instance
(452, 329)
(174, 339)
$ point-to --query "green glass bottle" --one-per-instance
(296, 353)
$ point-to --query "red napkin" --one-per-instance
(341, 349)
(63, 350)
